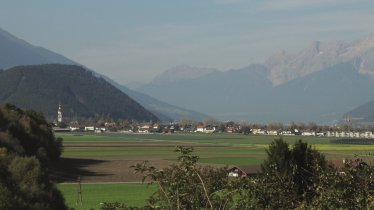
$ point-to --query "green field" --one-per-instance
(221, 149)
(209, 147)
(94, 194)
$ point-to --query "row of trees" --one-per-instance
(297, 177)
(27, 148)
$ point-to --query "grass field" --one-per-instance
(107, 157)
(209, 147)
(94, 194)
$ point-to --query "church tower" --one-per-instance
(59, 114)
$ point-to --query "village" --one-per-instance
(344, 130)
(174, 127)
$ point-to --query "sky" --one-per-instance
(133, 41)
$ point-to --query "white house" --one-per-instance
(100, 130)
(205, 129)
(287, 133)
(320, 134)
(74, 128)
(236, 172)
(369, 135)
(200, 128)
(272, 132)
(145, 128)
(258, 131)
(89, 128)
(308, 133)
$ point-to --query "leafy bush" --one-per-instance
(25, 185)
(27, 141)
(28, 133)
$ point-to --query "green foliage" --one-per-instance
(24, 185)
(25, 140)
(185, 186)
(265, 192)
(28, 133)
(297, 167)
(301, 179)
(279, 158)
(349, 187)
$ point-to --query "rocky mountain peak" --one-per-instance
(318, 56)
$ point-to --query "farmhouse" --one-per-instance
(308, 133)
(236, 172)
(287, 133)
(369, 135)
(272, 132)
(205, 129)
(144, 128)
(200, 128)
(230, 129)
(89, 128)
(258, 131)
(100, 129)
(320, 134)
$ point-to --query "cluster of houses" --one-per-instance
(113, 127)
(201, 128)
(342, 134)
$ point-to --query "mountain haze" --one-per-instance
(362, 114)
(324, 95)
(318, 56)
(164, 111)
(182, 72)
(17, 52)
(320, 83)
(220, 94)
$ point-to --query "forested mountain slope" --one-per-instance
(81, 94)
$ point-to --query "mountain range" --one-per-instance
(320, 83)
(16, 52)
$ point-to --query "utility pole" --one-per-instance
(79, 192)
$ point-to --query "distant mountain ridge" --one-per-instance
(320, 83)
(362, 114)
(283, 67)
(17, 52)
(81, 94)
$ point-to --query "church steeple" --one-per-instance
(59, 113)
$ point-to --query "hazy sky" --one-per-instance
(135, 40)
